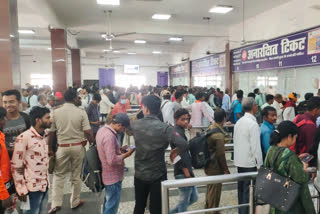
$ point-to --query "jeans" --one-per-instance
(142, 190)
(112, 198)
(38, 203)
(188, 196)
(243, 190)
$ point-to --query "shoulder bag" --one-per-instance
(278, 191)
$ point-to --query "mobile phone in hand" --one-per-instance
(131, 147)
(307, 158)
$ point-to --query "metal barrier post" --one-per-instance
(165, 199)
(251, 205)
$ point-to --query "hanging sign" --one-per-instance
(209, 65)
(295, 50)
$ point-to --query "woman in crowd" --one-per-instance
(289, 165)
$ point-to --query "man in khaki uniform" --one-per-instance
(218, 163)
(71, 126)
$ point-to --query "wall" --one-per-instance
(40, 62)
(293, 16)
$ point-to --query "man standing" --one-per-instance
(237, 106)
(71, 125)
(33, 97)
(6, 182)
(93, 114)
(17, 122)
(269, 115)
(259, 98)
(51, 102)
(226, 101)
(112, 160)
(121, 107)
(42, 102)
(31, 153)
(307, 126)
(217, 165)
(247, 148)
(105, 105)
(152, 138)
(165, 108)
(277, 104)
(174, 106)
(269, 99)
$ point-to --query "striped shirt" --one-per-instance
(110, 155)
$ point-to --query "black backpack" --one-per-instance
(230, 113)
(91, 173)
(198, 147)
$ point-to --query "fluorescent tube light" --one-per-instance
(221, 9)
(140, 41)
(161, 16)
(116, 51)
(109, 2)
(132, 53)
(156, 52)
(107, 50)
(26, 31)
(175, 39)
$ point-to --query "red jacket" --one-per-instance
(5, 168)
(307, 129)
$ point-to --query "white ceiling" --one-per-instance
(86, 20)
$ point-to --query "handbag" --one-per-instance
(278, 191)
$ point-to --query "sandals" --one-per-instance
(79, 205)
(54, 210)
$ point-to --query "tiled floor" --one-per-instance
(93, 202)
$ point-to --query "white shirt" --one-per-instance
(247, 148)
(184, 103)
(289, 113)
(167, 112)
(234, 98)
(105, 104)
(277, 106)
(33, 100)
(205, 121)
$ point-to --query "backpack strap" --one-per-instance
(165, 103)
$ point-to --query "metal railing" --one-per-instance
(171, 184)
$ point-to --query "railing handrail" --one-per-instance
(166, 185)
(209, 180)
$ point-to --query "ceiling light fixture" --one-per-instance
(221, 9)
(140, 41)
(49, 49)
(161, 16)
(107, 50)
(109, 2)
(156, 52)
(175, 39)
(12, 36)
(132, 53)
(26, 31)
(116, 51)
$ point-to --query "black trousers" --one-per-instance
(142, 190)
(244, 190)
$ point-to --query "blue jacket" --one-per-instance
(266, 130)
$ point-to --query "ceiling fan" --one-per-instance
(244, 41)
(108, 35)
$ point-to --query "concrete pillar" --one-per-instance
(9, 46)
(228, 68)
(59, 59)
(76, 67)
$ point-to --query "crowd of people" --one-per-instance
(41, 130)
